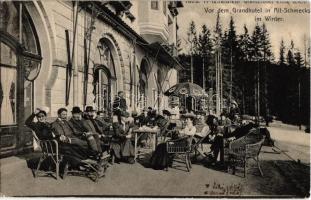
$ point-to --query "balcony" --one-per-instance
(171, 49)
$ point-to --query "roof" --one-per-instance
(164, 57)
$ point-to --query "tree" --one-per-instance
(229, 52)
(244, 44)
(266, 45)
(256, 44)
(298, 59)
(290, 54)
(205, 49)
(192, 37)
(282, 52)
(267, 56)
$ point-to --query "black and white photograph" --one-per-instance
(155, 98)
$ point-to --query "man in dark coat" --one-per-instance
(41, 127)
(43, 131)
(119, 103)
(63, 130)
(81, 131)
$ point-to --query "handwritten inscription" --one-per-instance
(222, 189)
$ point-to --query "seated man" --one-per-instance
(216, 137)
(143, 119)
(80, 130)
(62, 130)
(102, 125)
(72, 152)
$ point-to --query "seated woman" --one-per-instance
(160, 158)
(202, 129)
(122, 146)
(43, 131)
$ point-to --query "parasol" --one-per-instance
(188, 89)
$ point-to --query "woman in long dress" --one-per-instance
(160, 158)
(122, 146)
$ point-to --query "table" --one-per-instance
(153, 132)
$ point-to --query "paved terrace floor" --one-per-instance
(138, 180)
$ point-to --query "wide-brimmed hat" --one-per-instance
(89, 109)
(76, 109)
(234, 103)
(188, 115)
(166, 112)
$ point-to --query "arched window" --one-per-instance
(143, 83)
(19, 63)
(105, 78)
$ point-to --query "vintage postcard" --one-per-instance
(155, 98)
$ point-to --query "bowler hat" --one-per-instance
(76, 109)
(166, 112)
(89, 109)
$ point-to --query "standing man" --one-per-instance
(120, 102)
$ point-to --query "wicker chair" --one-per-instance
(180, 148)
(92, 169)
(49, 150)
(240, 151)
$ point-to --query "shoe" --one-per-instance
(131, 160)
(208, 153)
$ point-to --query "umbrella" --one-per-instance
(188, 89)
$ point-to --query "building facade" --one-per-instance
(64, 54)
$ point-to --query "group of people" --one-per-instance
(79, 138)
(207, 129)
(85, 134)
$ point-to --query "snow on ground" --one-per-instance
(289, 134)
(294, 142)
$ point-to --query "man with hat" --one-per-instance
(65, 132)
(119, 102)
(81, 131)
(234, 110)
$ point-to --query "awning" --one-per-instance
(163, 56)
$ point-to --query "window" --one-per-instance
(29, 60)
(8, 81)
(154, 5)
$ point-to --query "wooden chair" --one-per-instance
(180, 148)
(242, 150)
(50, 152)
